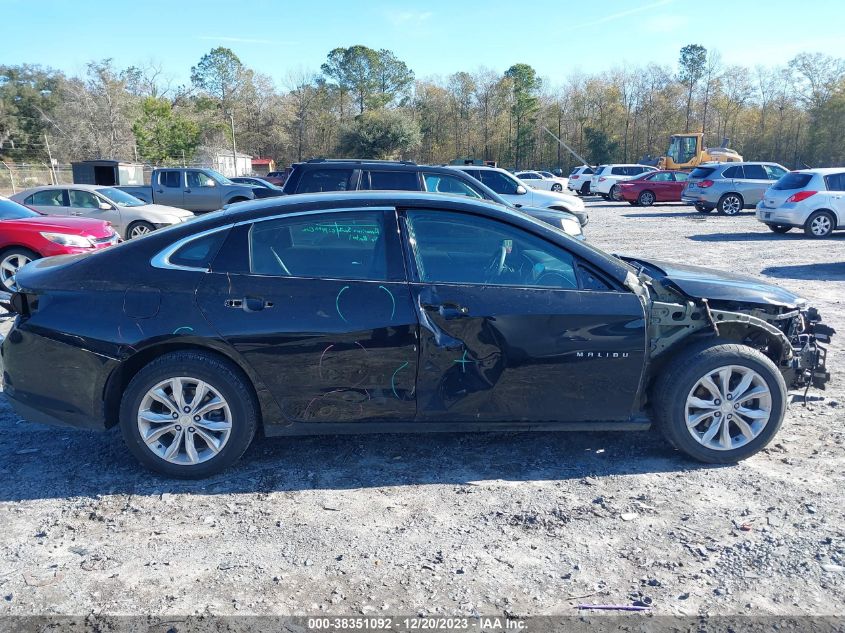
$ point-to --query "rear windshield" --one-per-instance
(792, 181)
(702, 172)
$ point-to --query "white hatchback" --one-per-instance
(810, 199)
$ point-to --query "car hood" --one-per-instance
(542, 198)
(61, 224)
(704, 283)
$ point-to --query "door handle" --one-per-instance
(159, 190)
(187, 191)
(449, 310)
(248, 304)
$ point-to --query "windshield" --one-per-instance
(121, 198)
(682, 149)
(792, 181)
(220, 178)
(11, 210)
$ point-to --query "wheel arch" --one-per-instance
(122, 375)
(236, 198)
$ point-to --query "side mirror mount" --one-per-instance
(209, 182)
(520, 190)
(105, 206)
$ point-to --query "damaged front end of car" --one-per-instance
(685, 302)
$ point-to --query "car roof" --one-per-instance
(823, 171)
(67, 186)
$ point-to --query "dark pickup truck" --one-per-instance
(197, 190)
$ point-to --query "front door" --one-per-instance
(86, 204)
(201, 192)
(319, 307)
(515, 328)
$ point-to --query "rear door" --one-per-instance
(514, 328)
(169, 188)
(318, 305)
(754, 183)
(836, 191)
(660, 184)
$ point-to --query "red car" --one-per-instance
(26, 235)
(654, 186)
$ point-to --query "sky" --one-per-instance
(434, 37)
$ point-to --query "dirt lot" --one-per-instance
(520, 524)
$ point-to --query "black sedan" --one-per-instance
(385, 312)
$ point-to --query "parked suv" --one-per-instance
(811, 199)
(729, 187)
(319, 175)
(579, 180)
(605, 181)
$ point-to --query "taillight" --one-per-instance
(801, 195)
(602, 178)
(573, 177)
(705, 183)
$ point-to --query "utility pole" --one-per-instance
(54, 181)
(234, 149)
(571, 151)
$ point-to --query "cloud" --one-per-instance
(401, 18)
(622, 14)
(237, 40)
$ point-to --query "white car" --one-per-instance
(579, 180)
(810, 199)
(542, 180)
(129, 216)
(604, 182)
(518, 194)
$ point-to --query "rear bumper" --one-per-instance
(781, 216)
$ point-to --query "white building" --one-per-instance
(221, 160)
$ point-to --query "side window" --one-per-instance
(439, 183)
(316, 180)
(498, 182)
(835, 182)
(200, 252)
(755, 172)
(337, 246)
(681, 176)
(733, 172)
(775, 172)
(619, 171)
(198, 180)
(660, 177)
(588, 171)
(171, 179)
(467, 249)
(47, 198)
(83, 199)
(527, 176)
(390, 180)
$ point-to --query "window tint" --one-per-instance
(702, 172)
(439, 183)
(462, 248)
(337, 246)
(835, 182)
(793, 181)
(10, 210)
(659, 177)
(171, 179)
(755, 172)
(390, 180)
(681, 176)
(316, 180)
(774, 171)
(733, 172)
(197, 180)
(83, 199)
(200, 252)
(498, 182)
(47, 198)
(619, 171)
(527, 175)
(588, 171)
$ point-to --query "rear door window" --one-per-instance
(680, 176)
(390, 180)
(755, 172)
(619, 171)
(170, 178)
(835, 182)
(317, 180)
(47, 198)
(792, 181)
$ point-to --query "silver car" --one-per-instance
(129, 216)
(730, 187)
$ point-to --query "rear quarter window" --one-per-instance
(835, 182)
(733, 172)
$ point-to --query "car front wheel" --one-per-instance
(11, 261)
(820, 224)
(646, 199)
(188, 414)
(720, 403)
(138, 229)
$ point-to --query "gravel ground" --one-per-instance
(502, 524)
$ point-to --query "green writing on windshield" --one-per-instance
(342, 231)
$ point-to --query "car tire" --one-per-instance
(820, 224)
(11, 261)
(679, 389)
(730, 204)
(702, 209)
(557, 187)
(585, 189)
(615, 193)
(229, 432)
(646, 199)
(139, 229)
(779, 228)
(633, 203)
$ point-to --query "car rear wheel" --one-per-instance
(11, 261)
(730, 204)
(585, 189)
(779, 228)
(702, 209)
(646, 199)
(138, 229)
(188, 414)
(720, 403)
(557, 187)
(615, 193)
(820, 224)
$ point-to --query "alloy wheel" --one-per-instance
(184, 421)
(138, 231)
(646, 198)
(9, 268)
(731, 205)
(615, 193)
(728, 407)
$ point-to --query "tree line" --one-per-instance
(368, 103)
